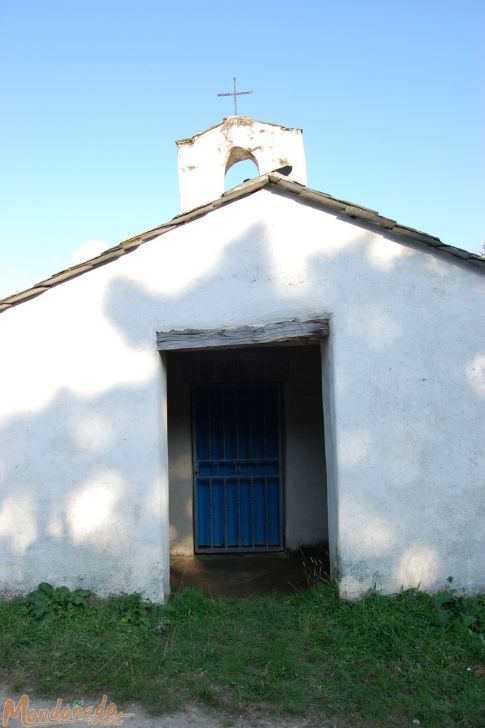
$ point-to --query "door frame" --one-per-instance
(287, 333)
(293, 332)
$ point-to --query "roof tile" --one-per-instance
(356, 212)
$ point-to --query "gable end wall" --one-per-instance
(83, 442)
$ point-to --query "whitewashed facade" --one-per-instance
(84, 471)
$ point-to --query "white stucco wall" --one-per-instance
(83, 445)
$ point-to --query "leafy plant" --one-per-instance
(449, 607)
(47, 600)
(132, 609)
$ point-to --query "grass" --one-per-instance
(381, 660)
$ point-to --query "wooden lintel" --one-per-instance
(290, 333)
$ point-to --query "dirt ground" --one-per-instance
(192, 717)
(249, 575)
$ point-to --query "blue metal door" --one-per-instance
(237, 468)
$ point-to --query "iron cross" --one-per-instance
(235, 94)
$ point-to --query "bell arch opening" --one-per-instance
(241, 165)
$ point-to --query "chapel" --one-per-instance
(273, 369)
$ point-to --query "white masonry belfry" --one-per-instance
(204, 159)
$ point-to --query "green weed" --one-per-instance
(131, 609)
(451, 606)
(47, 600)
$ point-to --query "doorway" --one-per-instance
(233, 382)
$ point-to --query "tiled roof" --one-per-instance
(272, 180)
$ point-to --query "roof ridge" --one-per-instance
(332, 204)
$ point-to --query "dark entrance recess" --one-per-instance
(209, 373)
(237, 468)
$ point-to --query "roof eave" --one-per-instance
(330, 204)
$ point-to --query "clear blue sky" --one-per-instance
(94, 93)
